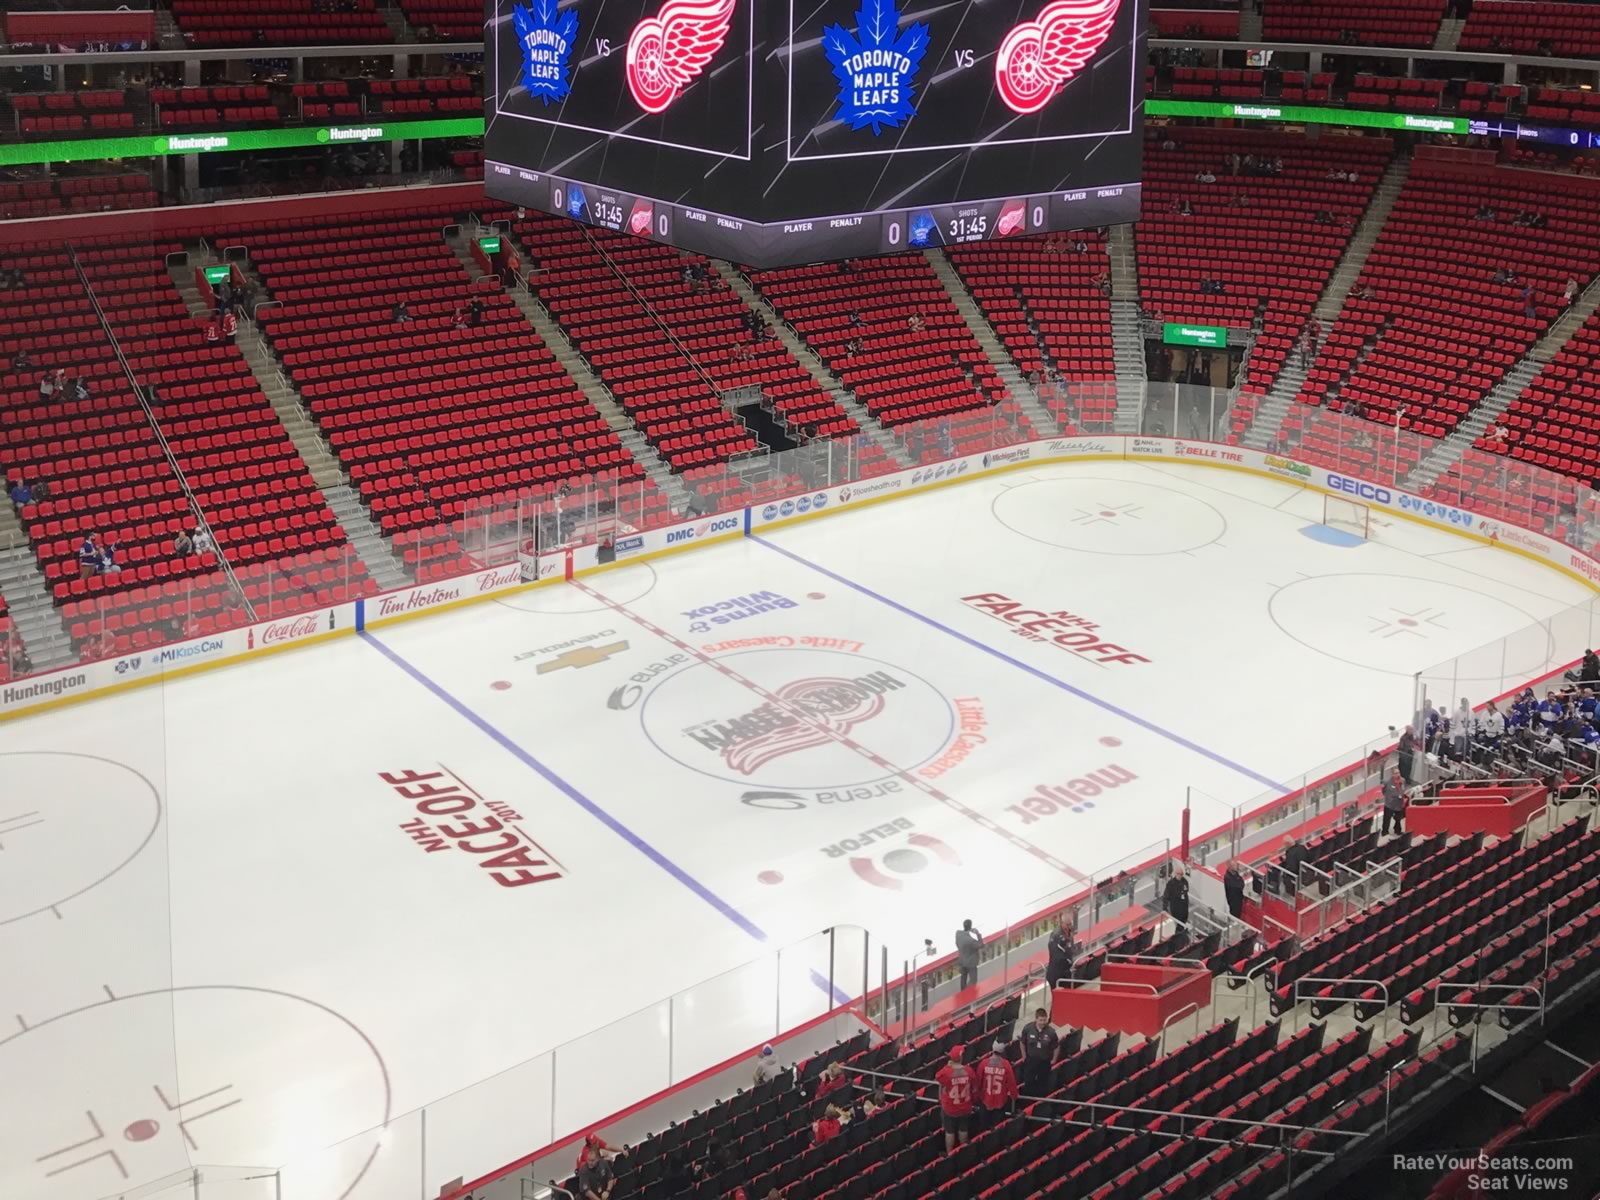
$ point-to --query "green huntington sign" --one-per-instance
(1212, 337)
(235, 141)
(1302, 114)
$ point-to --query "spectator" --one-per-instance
(23, 361)
(1406, 754)
(1528, 309)
(230, 326)
(1175, 899)
(1569, 293)
(152, 394)
(204, 543)
(766, 1065)
(832, 1080)
(877, 1101)
(182, 545)
(596, 1177)
(401, 314)
(1062, 950)
(1039, 1042)
(955, 1099)
(916, 322)
(1394, 805)
(88, 557)
(968, 942)
(47, 386)
(1492, 725)
(1185, 210)
(475, 312)
(828, 1126)
(108, 559)
(1233, 889)
(1589, 672)
(998, 1085)
(21, 493)
(80, 388)
(214, 331)
(1294, 855)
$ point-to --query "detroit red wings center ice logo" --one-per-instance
(1039, 57)
(668, 51)
(832, 708)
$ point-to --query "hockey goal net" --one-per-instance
(1349, 516)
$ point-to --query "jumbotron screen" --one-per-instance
(773, 132)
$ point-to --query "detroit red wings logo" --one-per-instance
(669, 51)
(832, 708)
(1039, 57)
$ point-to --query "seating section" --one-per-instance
(444, 20)
(84, 193)
(1207, 23)
(210, 23)
(1273, 253)
(1228, 1084)
(1043, 298)
(1354, 22)
(208, 107)
(888, 331)
(415, 97)
(667, 345)
(1438, 330)
(1520, 27)
(436, 414)
(1555, 422)
(1464, 911)
(13, 654)
(102, 113)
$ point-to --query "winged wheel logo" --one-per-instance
(670, 50)
(1039, 57)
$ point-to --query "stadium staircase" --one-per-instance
(1449, 36)
(596, 392)
(1249, 22)
(26, 594)
(1127, 328)
(168, 35)
(807, 357)
(1264, 433)
(1043, 420)
(284, 397)
(395, 18)
(1449, 449)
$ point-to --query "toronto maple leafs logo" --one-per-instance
(875, 66)
(547, 36)
(1040, 57)
(670, 50)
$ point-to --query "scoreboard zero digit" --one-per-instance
(776, 131)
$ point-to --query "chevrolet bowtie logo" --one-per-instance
(583, 656)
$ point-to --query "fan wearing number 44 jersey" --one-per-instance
(955, 1082)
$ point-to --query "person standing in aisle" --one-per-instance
(1233, 889)
(968, 942)
(998, 1085)
(955, 1099)
(1394, 806)
(1176, 897)
(1039, 1042)
(1063, 948)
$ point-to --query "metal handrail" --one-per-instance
(531, 1186)
(1161, 1036)
(1375, 983)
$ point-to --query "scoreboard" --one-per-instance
(786, 131)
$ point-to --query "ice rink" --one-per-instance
(260, 910)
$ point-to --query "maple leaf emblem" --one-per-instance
(546, 35)
(875, 66)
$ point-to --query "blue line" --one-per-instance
(573, 794)
(1031, 670)
(821, 980)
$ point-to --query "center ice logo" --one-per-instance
(802, 715)
(875, 66)
(546, 35)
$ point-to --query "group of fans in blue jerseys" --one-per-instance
(1558, 733)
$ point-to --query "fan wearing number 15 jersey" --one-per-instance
(997, 1081)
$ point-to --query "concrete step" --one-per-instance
(375, 549)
